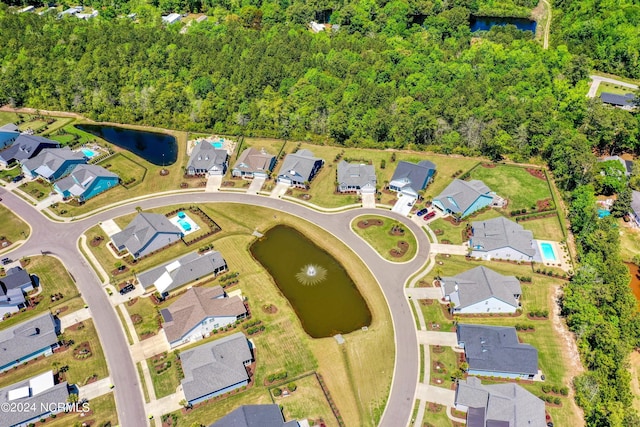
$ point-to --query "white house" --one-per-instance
(500, 238)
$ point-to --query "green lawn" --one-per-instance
(7, 117)
(102, 413)
(629, 240)
(53, 279)
(34, 125)
(145, 317)
(515, 184)
(307, 401)
(39, 189)
(438, 418)
(165, 379)
(545, 228)
(381, 239)
(444, 363)
(453, 232)
(130, 172)
(12, 228)
(613, 88)
(8, 174)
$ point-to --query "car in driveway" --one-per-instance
(130, 287)
(17, 178)
(422, 211)
(5, 261)
(430, 215)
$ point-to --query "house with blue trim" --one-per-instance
(12, 289)
(8, 134)
(495, 351)
(85, 182)
(216, 367)
(411, 178)
(52, 163)
(256, 416)
(501, 238)
(147, 233)
(464, 197)
(28, 340)
(356, 177)
(299, 168)
(25, 147)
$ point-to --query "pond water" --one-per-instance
(157, 148)
(484, 23)
(634, 271)
(317, 286)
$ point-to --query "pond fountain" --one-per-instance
(311, 274)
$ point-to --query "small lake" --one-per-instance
(634, 271)
(157, 148)
(325, 307)
(484, 23)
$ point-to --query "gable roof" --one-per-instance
(10, 127)
(635, 202)
(49, 160)
(181, 271)
(627, 164)
(479, 284)
(206, 157)
(508, 404)
(253, 160)
(254, 416)
(82, 177)
(460, 195)
(27, 337)
(625, 100)
(215, 365)
(16, 278)
(356, 175)
(194, 306)
(500, 232)
(142, 230)
(412, 175)
(26, 146)
(497, 349)
(298, 166)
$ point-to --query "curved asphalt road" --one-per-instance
(61, 239)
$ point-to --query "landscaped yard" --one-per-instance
(102, 413)
(446, 231)
(164, 373)
(38, 189)
(145, 317)
(8, 174)
(131, 173)
(629, 240)
(12, 228)
(515, 184)
(444, 364)
(389, 238)
(307, 401)
(612, 88)
(545, 228)
(54, 279)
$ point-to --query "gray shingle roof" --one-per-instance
(507, 405)
(41, 393)
(253, 416)
(497, 233)
(497, 349)
(181, 271)
(298, 166)
(81, 177)
(215, 365)
(206, 157)
(194, 306)
(27, 337)
(480, 283)
(413, 175)
(16, 278)
(625, 100)
(253, 160)
(142, 229)
(460, 195)
(49, 160)
(356, 175)
(627, 164)
(25, 147)
(635, 202)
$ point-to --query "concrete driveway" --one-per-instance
(404, 204)
(256, 185)
(213, 183)
(110, 227)
(279, 190)
(447, 339)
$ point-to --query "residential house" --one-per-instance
(181, 271)
(171, 18)
(85, 182)
(635, 207)
(299, 168)
(37, 397)
(481, 290)
(87, 16)
(410, 178)
(52, 163)
(464, 197)
(25, 147)
(27, 9)
(147, 232)
(626, 101)
(28, 340)
(503, 405)
(216, 367)
(255, 416)
(495, 351)
(12, 289)
(501, 238)
(8, 134)
(199, 311)
(356, 177)
(70, 11)
(254, 163)
(626, 164)
(205, 159)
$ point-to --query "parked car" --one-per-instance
(429, 215)
(17, 178)
(422, 211)
(5, 261)
(130, 287)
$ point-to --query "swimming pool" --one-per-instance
(184, 224)
(603, 212)
(88, 153)
(547, 251)
(217, 145)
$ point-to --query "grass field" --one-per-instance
(80, 370)
(629, 241)
(515, 184)
(613, 88)
(7, 117)
(12, 228)
(358, 383)
(381, 239)
(8, 174)
(165, 382)
(38, 189)
(130, 172)
(53, 279)
(453, 233)
(102, 413)
(307, 401)
(443, 365)
(148, 313)
(438, 418)
(545, 228)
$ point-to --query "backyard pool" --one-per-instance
(603, 212)
(547, 252)
(88, 153)
(217, 145)
(184, 223)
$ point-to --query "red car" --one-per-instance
(430, 215)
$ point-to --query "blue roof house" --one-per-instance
(52, 163)
(8, 134)
(85, 182)
(410, 178)
(464, 197)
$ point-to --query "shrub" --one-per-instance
(556, 400)
(546, 388)
(277, 392)
(383, 164)
(564, 391)
(292, 386)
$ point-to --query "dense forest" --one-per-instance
(380, 81)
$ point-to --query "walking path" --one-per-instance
(547, 24)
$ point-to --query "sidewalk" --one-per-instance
(73, 318)
(96, 389)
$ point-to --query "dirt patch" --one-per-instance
(438, 349)
(75, 327)
(425, 301)
(132, 301)
(488, 165)
(228, 184)
(269, 308)
(434, 407)
(634, 364)
(304, 196)
(370, 223)
(95, 242)
(402, 249)
(544, 205)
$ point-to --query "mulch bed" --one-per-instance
(132, 301)
(75, 326)
(164, 172)
(270, 309)
(434, 407)
(426, 301)
(370, 223)
(82, 349)
(450, 219)
(537, 317)
(136, 319)
(403, 247)
(396, 231)
(538, 173)
(228, 184)
(95, 242)
(543, 205)
(488, 165)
